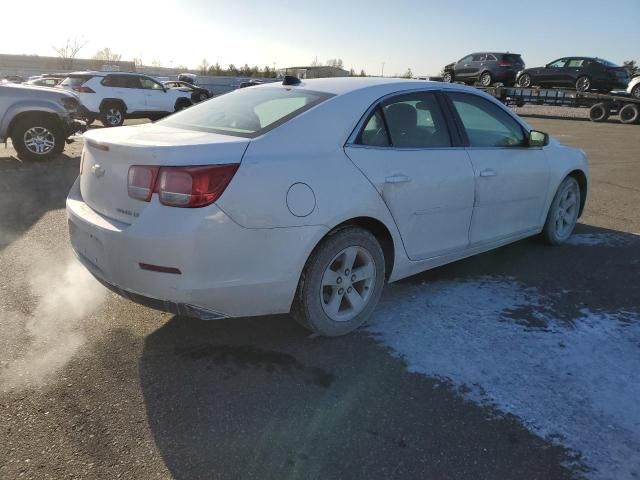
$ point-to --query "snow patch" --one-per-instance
(576, 383)
(605, 239)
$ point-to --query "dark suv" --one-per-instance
(486, 68)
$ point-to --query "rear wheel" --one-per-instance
(563, 213)
(203, 97)
(37, 137)
(630, 113)
(486, 79)
(341, 283)
(112, 115)
(599, 112)
(583, 84)
(182, 103)
(447, 77)
(525, 81)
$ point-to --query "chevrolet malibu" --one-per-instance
(308, 196)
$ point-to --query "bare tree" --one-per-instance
(335, 62)
(204, 67)
(408, 74)
(316, 62)
(67, 52)
(107, 55)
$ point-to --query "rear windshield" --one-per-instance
(247, 112)
(511, 57)
(606, 63)
(75, 80)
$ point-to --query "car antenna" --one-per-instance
(291, 80)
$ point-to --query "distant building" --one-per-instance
(28, 65)
(313, 72)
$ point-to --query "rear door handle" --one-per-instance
(488, 172)
(398, 178)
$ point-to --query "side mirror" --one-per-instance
(538, 139)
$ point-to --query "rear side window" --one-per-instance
(412, 120)
(75, 80)
(486, 124)
(247, 112)
(575, 63)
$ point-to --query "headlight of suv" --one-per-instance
(70, 104)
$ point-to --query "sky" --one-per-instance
(416, 34)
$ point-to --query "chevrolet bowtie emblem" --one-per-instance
(97, 170)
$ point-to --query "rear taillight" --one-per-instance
(505, 64)
(185, 187)
(141, 183)
(83, 89)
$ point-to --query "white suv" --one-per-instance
(114, 96)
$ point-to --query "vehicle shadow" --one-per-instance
(29, 190)
(261, 398)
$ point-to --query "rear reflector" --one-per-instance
(185, 187)
(159, 268)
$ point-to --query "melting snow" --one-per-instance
(577, 383)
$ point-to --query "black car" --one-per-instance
(198, 94)
(581, 73)
(486, 68)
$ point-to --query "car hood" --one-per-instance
(34, 91)
(448, 65)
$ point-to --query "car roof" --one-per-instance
(104, 74)
(343, 85)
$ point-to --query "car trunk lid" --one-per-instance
(109, 153)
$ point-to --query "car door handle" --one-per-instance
(488, 172)
(398, 178)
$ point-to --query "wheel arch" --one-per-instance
(581, 178)
(33, 113)
(108, 101)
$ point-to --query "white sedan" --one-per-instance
(306, 197)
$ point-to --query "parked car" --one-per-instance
(308, 197)
(38, 120)
(633, 88)
(582, 73)
(114, 96)
(486, 68)
(198, 94)
(14, 79)
(45, 81)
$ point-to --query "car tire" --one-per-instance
(37, 137)
(332, 300)
(635, 91)
(181, 104)
(203, 97)
(630, 113)
(583, 84)
(599, 112)
(525, 81)
(563, 212)
(447, 77)
(486, 79)
(112, 115)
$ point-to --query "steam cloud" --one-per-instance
(38, 344)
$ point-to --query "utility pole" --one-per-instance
(382, 73)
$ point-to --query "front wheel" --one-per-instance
(630, 113)
(37, 138)
(525, 80)
(447, 77)
(583, 84)
(112, 115)
(341, 283)
(563, 213)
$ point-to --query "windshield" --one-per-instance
(606, 62)
(247, 112)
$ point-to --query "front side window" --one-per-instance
(485, 123)
(558, 63)
(149, 84)
(247, 112)
(479, 57)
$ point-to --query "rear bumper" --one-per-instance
(226, 270)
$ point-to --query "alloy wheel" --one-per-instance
(114, 116)
(347, 284)
(583, 84)
(525, 81)
(566, 213)
(39, 140)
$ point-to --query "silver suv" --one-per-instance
(38, 120)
